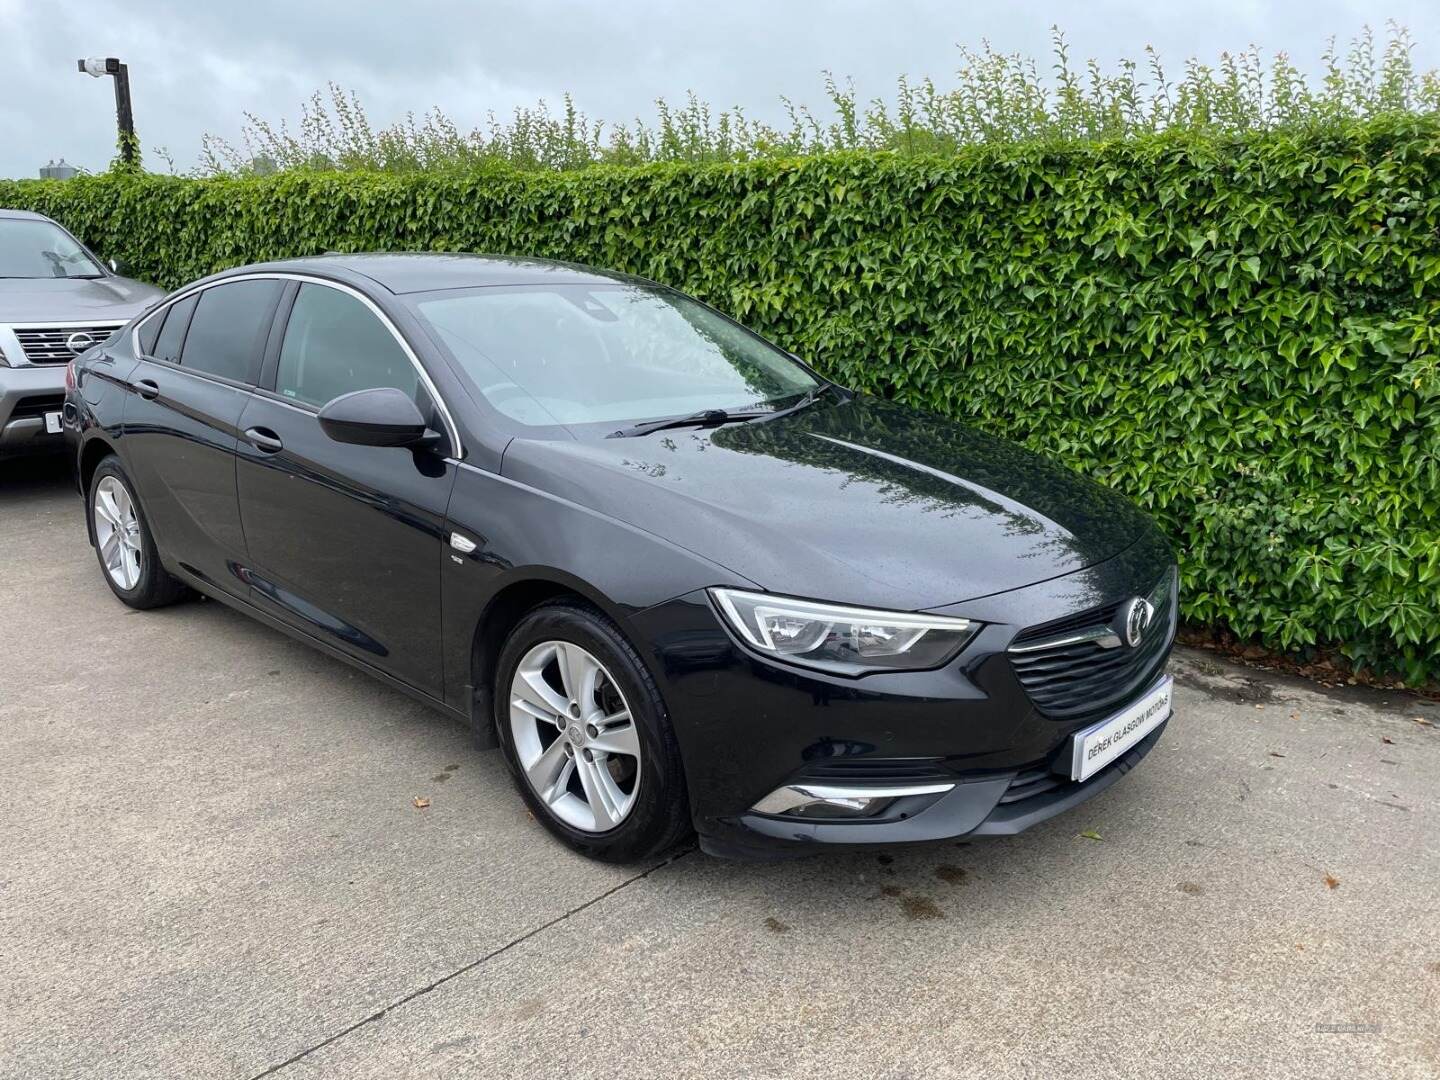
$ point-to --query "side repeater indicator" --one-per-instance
(462, 544)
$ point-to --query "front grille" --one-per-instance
(1076, 678)
(47, 344)
(37, 405)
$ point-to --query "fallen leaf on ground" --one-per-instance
(1091, 834)
(420, 802)
(1274, 753)
(1387, 739)
(1423, 722)
(1331, 881)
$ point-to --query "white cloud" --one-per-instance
(198, 66)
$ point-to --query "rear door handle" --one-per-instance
(264, 440)
(146, 388)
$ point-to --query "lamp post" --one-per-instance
(124, 118)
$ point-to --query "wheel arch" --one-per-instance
(525, 589)
(96, 449)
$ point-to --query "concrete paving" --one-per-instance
(211, 865)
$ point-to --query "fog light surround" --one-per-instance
(830, 801)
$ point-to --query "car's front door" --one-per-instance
(186, 394)
(344, 541)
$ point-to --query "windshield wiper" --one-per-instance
(706, 418)
(716, 417)
(811, 396)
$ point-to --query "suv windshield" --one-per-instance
(585, 354)
(41, 249)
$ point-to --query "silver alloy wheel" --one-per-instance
(574, 736)
(117, 532)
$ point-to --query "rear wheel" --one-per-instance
(585, 733)
(123, 542)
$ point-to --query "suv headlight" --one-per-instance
(851, 641)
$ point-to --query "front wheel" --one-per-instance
(124, 543)
(586, 735)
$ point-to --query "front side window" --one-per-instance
(228, 330)
(334, 345)
(41, 249)
(586, 354)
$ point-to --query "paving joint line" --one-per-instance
(471, 966)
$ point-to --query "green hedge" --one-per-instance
(1242, 336)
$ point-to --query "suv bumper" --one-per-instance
(26, 393)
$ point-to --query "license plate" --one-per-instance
(1100, 744)
(52, 423)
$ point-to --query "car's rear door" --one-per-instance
(179, 427)
(345, 541)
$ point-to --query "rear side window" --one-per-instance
(334, 344)
(172, 335)
(228, 330)
(149, 331)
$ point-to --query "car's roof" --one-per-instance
(411, 272)
(23, 215)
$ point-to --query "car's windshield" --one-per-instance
(587, 354)
(41, 249)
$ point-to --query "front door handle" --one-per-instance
(146, 388)
(264, 440)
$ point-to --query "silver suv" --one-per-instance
(56, 300)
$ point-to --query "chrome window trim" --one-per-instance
(451, 431)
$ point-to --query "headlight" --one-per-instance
(848, 640)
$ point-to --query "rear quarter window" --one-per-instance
(172, 335)
(149, 331)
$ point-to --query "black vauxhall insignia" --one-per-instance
(683, 581)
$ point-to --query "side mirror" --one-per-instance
(118, 266)
(380, 417)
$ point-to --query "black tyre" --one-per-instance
(585, 734)
(123, 541)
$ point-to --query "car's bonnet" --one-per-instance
(862, 502)
(106, 299)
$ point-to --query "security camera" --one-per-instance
(98, 66)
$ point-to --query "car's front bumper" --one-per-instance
(748, 727)
(985, 806)
(26, 394)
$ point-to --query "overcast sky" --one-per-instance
(197, 66)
